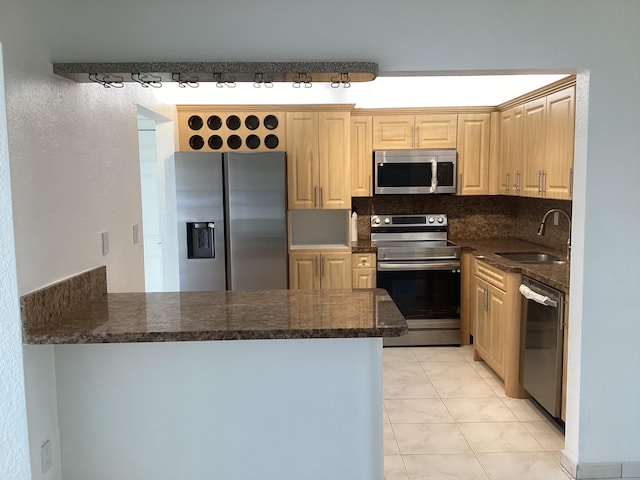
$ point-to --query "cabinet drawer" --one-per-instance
(363, 260)
(492, 275)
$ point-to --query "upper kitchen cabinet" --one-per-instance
(210, 128)
(473, 153)
(547, 145)
(318, 163)
(399, 132)
(361, 156)
(560, 135)
(510, 151)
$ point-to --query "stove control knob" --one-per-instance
(440, 219)
(387, 220)
(376, 221)
(431, 220)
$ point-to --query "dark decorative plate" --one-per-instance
(234, 142)
(195, 122)
(196, 142)
(271, 141)
(215, 142)
(233, 122)
(214, 122)
(271, 122)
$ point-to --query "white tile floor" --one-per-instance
(446, 417)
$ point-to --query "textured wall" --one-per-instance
(14, 458)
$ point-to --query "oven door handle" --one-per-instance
(390, 266)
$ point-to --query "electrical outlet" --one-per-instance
(45, 456)
(136, 232)
(105, 243)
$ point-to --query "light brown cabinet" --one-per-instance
(473, 153)
(211, 128)
(496, 307)
(318, 166)
(397, 132)
(361, 156)
(547, 145)
(363, 274)
(312, 270)
(510, 151)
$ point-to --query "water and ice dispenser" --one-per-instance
(200, 240)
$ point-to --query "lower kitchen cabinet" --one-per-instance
(467, 275)
(312, 270)
(363, 274)
(496, 309)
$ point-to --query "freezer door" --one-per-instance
(201, 229)
(257, 227)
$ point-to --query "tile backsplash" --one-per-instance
(474, 217)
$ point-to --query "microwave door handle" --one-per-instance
(434, 175)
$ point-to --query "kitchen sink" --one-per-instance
(531, 257)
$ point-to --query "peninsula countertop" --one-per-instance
(227, 315)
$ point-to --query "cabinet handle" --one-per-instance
(517, 184)
(318, 265)
(544, 182)
(418, 135)
(322, 268)
(321, 197)
(315, 196)
(506, 182)
(484, 299)
(571, 181)
(540, 182)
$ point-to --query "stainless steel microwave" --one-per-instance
(414, 171)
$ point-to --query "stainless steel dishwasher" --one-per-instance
(542, 326)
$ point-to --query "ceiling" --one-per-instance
(383, 92)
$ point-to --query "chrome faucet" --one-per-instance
(543, 226)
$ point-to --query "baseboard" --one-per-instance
(600, 471)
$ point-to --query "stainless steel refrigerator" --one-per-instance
(232, 229)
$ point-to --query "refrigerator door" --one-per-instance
(257, 226)
(201, 229)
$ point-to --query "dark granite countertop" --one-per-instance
(554, 275)
(231, 315)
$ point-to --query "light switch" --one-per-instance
(105, 243)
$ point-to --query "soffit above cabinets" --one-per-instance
(154, 74)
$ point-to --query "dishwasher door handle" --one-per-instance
(537, 297)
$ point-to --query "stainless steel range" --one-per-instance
(420, 269)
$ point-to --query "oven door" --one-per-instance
(427, 293)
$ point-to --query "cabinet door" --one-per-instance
(302, 159)
(361, 156)
(304, 271)
(560, 133)
(335, 270)
(533, 146)
(473, 154)
(363, 278)
(481, 332)
(496, 322)
(510, 161)
(334, 160)
(436, 131)
(393, 132)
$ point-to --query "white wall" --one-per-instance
(72, 146)
(236, 410)
(14, 454)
